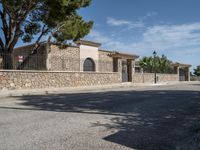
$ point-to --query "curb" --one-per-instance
(88, 89)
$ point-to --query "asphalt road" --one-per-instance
(145, 118)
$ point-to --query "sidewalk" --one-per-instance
(102, 88)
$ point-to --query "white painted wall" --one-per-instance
(89, 52)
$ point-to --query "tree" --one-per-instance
(147, 64)
(197, 71)
(165, 65)
(28, 19)
(159, 64)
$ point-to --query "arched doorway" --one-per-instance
(89, 65)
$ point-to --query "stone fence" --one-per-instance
(12, 80)
(194, 78)
(149, 78)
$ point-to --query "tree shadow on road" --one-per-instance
(144, 120)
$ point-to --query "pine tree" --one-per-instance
(28, 19)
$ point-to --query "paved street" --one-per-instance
(141, 118)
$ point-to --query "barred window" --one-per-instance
(89, 65)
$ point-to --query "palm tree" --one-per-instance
(160, 64)
(147, 64)
(197, 71)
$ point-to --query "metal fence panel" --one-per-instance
(51, 62)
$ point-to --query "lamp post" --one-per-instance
(154, 60)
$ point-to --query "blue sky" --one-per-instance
(171, 27)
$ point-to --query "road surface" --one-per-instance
(145, 118)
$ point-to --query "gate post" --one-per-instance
(130, 70)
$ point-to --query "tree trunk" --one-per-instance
(7, 61)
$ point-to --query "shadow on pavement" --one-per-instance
(144, 120)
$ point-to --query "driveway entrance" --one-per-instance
(123, 63)
(124, 71)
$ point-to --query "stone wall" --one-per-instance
(149, 78)
(168, 77)
(105, 62)
(13, 80)
(194, 78)
(66, 59)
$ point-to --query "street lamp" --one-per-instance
(154, 60)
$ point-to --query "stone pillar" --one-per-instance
(120, 65)
(115, 65)
(177, 70)
(178, 73)
(188, 69)
(48, 54)
(120, 68)
(130, 69)
(133, 62)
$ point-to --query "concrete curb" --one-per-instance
(91, 89)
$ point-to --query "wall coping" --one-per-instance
(38, 71)
(156, 73)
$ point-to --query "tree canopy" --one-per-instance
(32, 19)
(197, 71)
(159, 64)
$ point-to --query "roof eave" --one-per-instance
(88, 43)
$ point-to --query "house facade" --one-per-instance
(88, 57)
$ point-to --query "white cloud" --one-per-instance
(171, 37)
(117, 22)
(130, 24)
(179, 42)
(108, 42)
(98, 37)
(150, 14)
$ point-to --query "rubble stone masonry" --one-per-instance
(13, 80)
(149, 78)
(105, 62)
(67, 59)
